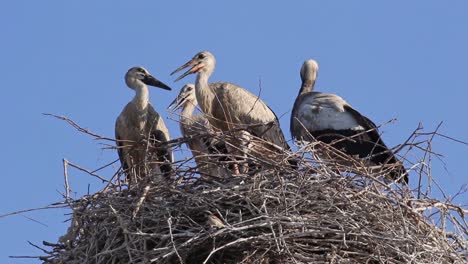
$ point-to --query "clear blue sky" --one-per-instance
(399, 59)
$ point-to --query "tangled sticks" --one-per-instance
(318, 213)
(267, 218)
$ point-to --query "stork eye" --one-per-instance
(189, 88)
(202, 56)
(141, 70)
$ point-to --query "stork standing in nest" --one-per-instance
(330, 119)
(229, 107)
(139, 131)
(207, 151)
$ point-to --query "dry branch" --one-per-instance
(320, 212)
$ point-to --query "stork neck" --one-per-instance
(187, 111)
(141, 98)
(307, 86)
(204, 93)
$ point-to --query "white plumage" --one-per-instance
(229, 107)
(320, 111)
(330, 119)
(204, 149)
(139, 130)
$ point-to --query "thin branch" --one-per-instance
(87, 171)
(79, 128)
(65, 176)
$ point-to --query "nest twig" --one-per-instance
(319, 212)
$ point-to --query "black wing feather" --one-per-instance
(381, 154)
(278, 131)
(120, 153)
(163, 153)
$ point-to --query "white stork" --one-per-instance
(330, 119)
(229, 107)
(206, 150)
(139, 130)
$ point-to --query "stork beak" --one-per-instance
(150, 80)
(177, 103)
(195, 68)
(174, 103)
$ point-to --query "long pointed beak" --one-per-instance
(176, 104)
(194, 69)
(173, 103)
(150, 80)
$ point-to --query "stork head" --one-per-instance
(202, 62)
(186, 96)
(137, 76)
(309, 71)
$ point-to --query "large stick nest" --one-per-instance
(317, 213)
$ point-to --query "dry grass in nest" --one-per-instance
(318, 213)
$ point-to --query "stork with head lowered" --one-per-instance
(330, 119)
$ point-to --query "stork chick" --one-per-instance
(232, 108)
(139, 131)
(192, 125)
